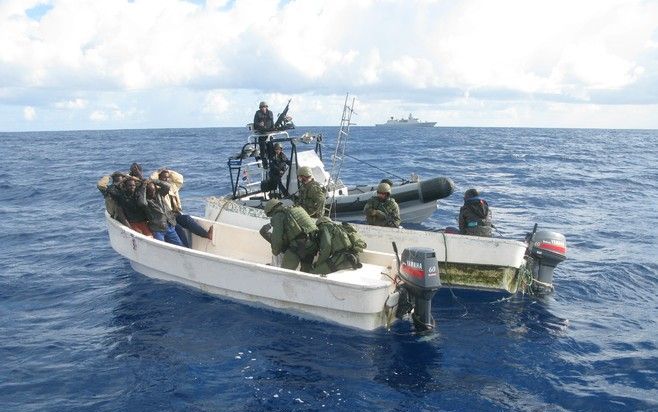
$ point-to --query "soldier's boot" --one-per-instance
(354, 260)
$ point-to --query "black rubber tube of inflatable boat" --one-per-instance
(427, 191)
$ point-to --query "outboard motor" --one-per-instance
(547, 249)
(419, 271)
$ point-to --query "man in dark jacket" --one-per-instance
(162, 220)
(106, 185)
(474, 216)
(136, 171)
(126, 195)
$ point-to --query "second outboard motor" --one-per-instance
(547, 249)
(419, 271)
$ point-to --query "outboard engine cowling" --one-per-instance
(419, 271)
(547, 249)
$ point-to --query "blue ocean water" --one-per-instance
(81, 331)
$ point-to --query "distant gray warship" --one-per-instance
(410, 121)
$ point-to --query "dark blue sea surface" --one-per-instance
(80, 330)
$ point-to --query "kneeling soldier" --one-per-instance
(336, 249)
(294, 234)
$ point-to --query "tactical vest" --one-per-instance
(298, 222)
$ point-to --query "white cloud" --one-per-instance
(72, 104)
(29, 113)
(98, 116)
(215, 103)
(420, 53)
(112, 112)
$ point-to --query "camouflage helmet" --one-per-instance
(384, 188)
(271, 205)
(262, 104)
(305, 171)
(277, 145)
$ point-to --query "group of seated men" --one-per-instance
(150, 206)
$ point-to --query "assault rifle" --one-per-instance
(283, 122)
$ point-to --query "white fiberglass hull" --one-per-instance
(353, 298)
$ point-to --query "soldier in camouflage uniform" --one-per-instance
(475, 216)
(382, 209)
(278, 168)
(294, 234)
(311, 195)
(335, 249)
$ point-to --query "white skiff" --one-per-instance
(237, 265)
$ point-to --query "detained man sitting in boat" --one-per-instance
(294, 234)
(475, 215)
(162, 221)
(136, 171)
(172, 199)
(311, 195)
(126, 196)
(382, 209)
(105, 185)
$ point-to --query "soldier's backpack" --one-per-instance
(340, 240)
(358, 244)
(298, 222)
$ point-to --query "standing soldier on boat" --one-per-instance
(382, 209)
(278, 168)
(263, 119)
(294, 234)
(475, 215)
(311, 195)
(263, 123)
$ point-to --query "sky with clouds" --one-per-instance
(114, 64)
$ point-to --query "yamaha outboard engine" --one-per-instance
(419, 271)
(547, 249)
